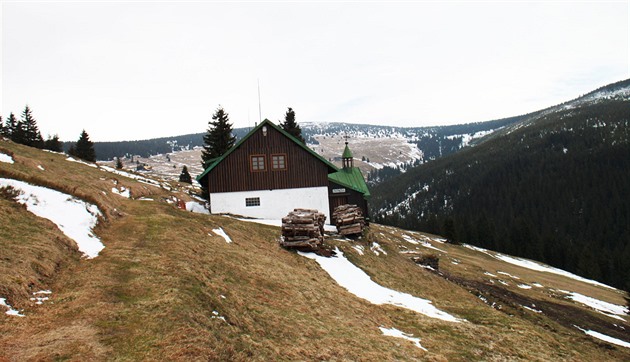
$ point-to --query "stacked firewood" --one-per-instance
(303, 229)
(348, 219)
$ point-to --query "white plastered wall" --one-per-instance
(274, 204)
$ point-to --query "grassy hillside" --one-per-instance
(167, 287)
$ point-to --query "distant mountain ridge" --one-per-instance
(429, 142)
(553, 187)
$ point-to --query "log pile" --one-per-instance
(303, 229)
(348, 219)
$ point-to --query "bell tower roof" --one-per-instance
(346, 158)
(346, 152)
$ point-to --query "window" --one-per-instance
(278, 162)
(257, 163)
(252, 201)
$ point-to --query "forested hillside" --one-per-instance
(555, 188)
(433, 142)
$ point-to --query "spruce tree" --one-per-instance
(291, 127)
(53, 144)
(185, 176)
(219, 138)
(13, 130)
(119, 164)
(84, 148)
(31, 135)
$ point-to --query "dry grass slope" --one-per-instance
(167, 288)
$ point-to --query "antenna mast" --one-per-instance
(259, 109)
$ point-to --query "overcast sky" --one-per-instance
(125, 71)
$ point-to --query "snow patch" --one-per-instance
(358, 248)
(604, 337)
(357, 282)
(124, 192)
(507, 274)
(75, 218)
(609, 309)
(41, 167)
(10, 310)
(532, 309)
(41, 296)
(278, 223)
(376, 249)
(216, 315)
(524, 286)
(138, 178)
(6, 158)
(196, 208)
(82, 162)
(476, 248)
(222, 234)
(393, 332)
(546, 268)
(426, 244)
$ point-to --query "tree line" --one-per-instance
(26, 132)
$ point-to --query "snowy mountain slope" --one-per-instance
(374, 147)
(176, 285)
(551, 187)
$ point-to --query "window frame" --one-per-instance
(257, 157)
(252, 201)
(284, 159)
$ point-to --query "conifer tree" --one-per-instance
(53, 144)
(290, 126)
(219, 138)
(30, 132)
(12, 129)
(1, 127)
(84, 148)
(185, 176)
(119, 164)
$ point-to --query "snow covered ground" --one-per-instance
(196, 207)
(278, 223)
(222, 234)
(124, 192)
(609, 309)
(546, 268)
(10, 310)
(529, 264)
(393, 332)
(604, 337)
(426, 244)
(6, 158)
(75, 218)
(357, 282)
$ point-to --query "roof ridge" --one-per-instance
(250, 133)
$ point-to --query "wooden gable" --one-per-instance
(250, 164)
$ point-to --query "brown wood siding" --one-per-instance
(350, 196)
(233, 173)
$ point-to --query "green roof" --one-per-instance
(277, 128)
(346, 152)
(351, 178)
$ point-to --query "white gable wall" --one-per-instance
(274, 204)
